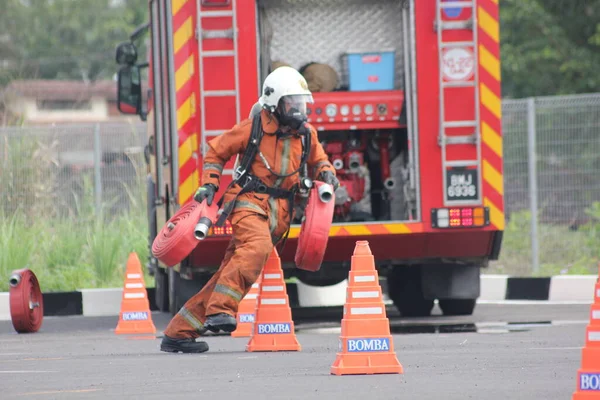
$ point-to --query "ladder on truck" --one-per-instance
(455, 10)
(202, 34)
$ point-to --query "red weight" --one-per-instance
(26, 301)
(314, 231)
(176, 240)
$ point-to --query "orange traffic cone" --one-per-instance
(273, 328)
(135, 316)
(366, 345)
(588, 376)
(246, 310)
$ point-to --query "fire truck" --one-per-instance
(407, 105)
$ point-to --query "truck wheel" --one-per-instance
(322, 277)
(174, 280)
(161, 288)
(404, 288)
(457, 306)
(181, 290)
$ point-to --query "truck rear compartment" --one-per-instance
(375, 165)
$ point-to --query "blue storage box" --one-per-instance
(372, 70)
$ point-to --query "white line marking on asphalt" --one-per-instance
(60, 391)
(555, 348)
(571, 322)
(23, 372)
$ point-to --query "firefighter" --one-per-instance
(259, 203)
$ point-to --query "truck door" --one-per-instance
(165, 123)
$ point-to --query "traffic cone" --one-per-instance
(588, 376)
(246, 310)
(135, 316)
(366, 345)
(273, 328)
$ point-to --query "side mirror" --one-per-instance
(126, 53)
(129, 90)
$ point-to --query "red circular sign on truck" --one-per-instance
(458, 64)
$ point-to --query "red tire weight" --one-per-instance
(176, 240)
(314, 231)
(26, 301)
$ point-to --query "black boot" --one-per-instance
(222, 321)
(172, 345)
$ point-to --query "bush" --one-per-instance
(55, 230)
(562, 249)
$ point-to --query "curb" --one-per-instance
(494, 288)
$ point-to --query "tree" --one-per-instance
(65, 39)
(549, 47)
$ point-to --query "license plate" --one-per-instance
(461, 184)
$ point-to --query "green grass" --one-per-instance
(561, 250)
(67, 247)
(67, 255)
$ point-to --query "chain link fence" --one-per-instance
(551, 177)
(551, 180)
(69, 169)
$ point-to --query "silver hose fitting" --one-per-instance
(354, 162)
(338, 164)
(389, 183)
(14, 280)
(325, 193)
(202, 228)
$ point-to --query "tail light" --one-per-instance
(464, 217)
(226, 230)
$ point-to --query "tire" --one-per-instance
(404, 288)
(321, 278)
(181, 290)
(457, 306)
(161, 294)
(174, 280)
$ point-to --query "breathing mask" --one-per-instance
(291, 111)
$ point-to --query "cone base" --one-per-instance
(366, 364)
(242, 330)
(258, 343)
(586, 396)
(129, 328)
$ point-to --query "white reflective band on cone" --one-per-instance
(272, 288)
(135, 295)
(272, 276)
(133, 286)
(366, 278)
(364, 295)
(272, 301)
(366, 310)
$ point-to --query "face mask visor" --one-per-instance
(296, 103)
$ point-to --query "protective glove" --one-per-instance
(205, 192)
(330, 178)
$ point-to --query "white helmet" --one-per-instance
(285, 90)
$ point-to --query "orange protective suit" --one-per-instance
(259, 221)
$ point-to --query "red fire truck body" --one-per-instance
(413, 127)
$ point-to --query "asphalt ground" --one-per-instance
(504, 351)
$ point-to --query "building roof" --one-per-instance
(61, 90)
